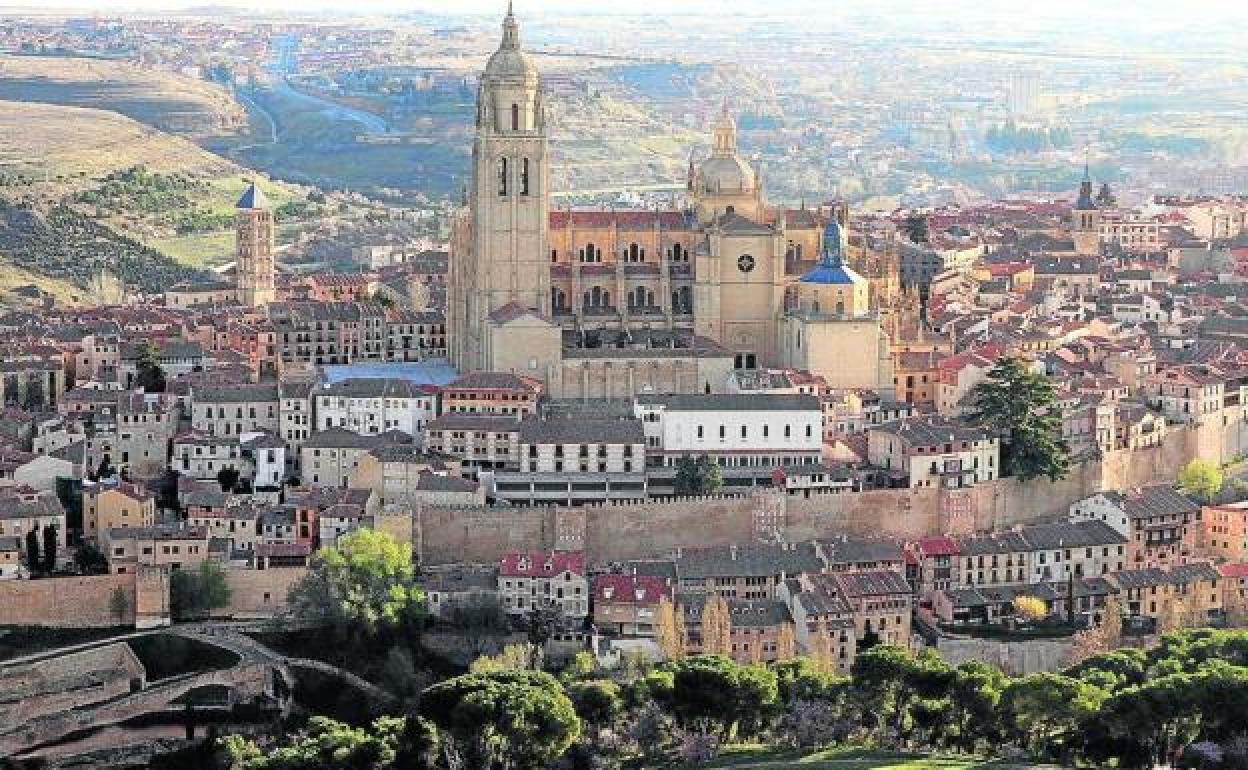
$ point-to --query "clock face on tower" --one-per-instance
(745, 263)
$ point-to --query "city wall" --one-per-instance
(66, 602)
(615, 532)
(259, 593)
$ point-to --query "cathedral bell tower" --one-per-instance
(510, 183)
(500, 257)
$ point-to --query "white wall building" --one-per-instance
(374, 406)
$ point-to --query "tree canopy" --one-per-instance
(366, 582)
(1020, 406)
(1201, 479)
(698, 476)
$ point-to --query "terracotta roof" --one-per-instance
(541, 564)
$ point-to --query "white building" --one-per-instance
(544, 579)
(374, 406)
(783, 429)
(757, 439)
(929, 452)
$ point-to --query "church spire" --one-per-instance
(511, 31)
(833, 245)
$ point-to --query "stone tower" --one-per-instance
(502, 259)
(253, 224)
(1085, 225)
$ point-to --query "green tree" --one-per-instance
(915, 228)
(514, 719)
(974, 694)
(194, 593)
(365, 584)
(33, 562)
(698, 476)
(598, 704)
(1201, 479)
(1044, 710)
(118, 603)
(711, 693)
(228, 477)
(888, 679)
(90, 560)
(49, 548)
(324, 744)
(148, 373)
(1020, 406)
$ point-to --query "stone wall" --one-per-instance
(1015, 658)
(66, 602)
(615, 532)
(259, 593)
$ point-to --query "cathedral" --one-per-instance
(607, 304)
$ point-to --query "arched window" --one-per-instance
(502, 176)
(524, 176)
(515, 117)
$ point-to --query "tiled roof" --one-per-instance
(872, 583)
(630, 589)
(860, 550)
(541, 564)
(534, 430)
(1160, 500)
(750, 560)
(368, 387)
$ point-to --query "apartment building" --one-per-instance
(373, 406)
(929, 452)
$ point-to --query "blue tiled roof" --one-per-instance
(838, 274)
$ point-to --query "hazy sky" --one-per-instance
(1172, 9)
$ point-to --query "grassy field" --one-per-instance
(209, 250)
(758, 758)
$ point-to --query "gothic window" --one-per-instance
(597, 297)
(524, 176)
(558, 301)
(502, 176)
(515, 117)
(640, 297)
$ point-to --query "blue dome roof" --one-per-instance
(829, 274)
(831, 268)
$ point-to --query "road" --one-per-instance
(374, 124)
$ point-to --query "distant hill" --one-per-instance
(165, 101)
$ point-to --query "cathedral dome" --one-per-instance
(509, 62)
(726, 173)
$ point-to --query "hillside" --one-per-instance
(134, 200)
(162, 100)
